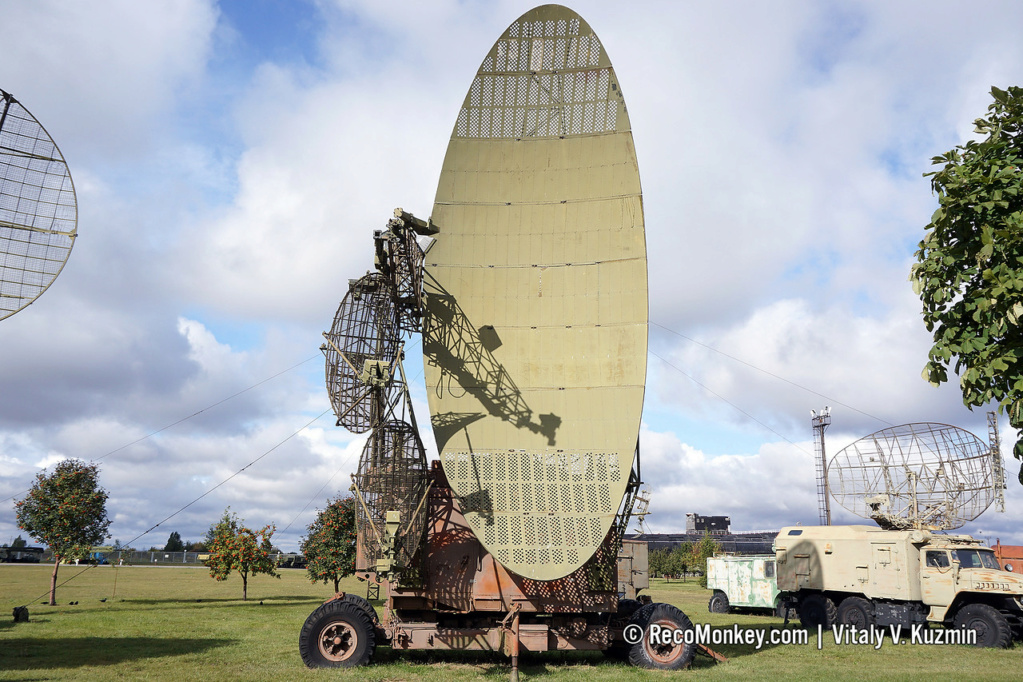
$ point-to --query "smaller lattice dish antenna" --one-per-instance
(38, 209)
(927, 475)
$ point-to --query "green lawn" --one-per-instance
(177, 623)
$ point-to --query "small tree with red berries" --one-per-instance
(235, 547)
(67, 511)
(329, 548)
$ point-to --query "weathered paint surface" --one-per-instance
(748, 581)
(535, 335)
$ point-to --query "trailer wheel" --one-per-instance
(988, 622)
(362, 603)
(816, 609)
(339, 634)
(718, 603)
(662, 656)
(857, 612)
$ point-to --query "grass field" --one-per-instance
(177, 623)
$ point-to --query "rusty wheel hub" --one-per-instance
(664, 654)
(337, 641)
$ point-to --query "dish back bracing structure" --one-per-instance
(535, 327)
(38, 209)
(924, 475)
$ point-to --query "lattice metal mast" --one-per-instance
(820, 424)
(997, 466)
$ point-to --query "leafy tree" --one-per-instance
(329, 548)
(657, 562)
(174, 543)
(680, 559)
(67, 511)
(703, 550)
(969, 269)
(234, 547)
(19, 542)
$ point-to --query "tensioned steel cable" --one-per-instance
(168, 518)
(184, 419)
(723, 399)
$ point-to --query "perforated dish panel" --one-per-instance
(939, 475)
(38, 209)
(536, 298)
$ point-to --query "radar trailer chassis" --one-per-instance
(533, 308)
(462, 599)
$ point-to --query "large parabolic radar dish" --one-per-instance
(535, 333)
(38, 209)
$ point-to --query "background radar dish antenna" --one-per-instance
(361, 353)
(38, 209)
(924, 475)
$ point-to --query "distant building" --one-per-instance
(715, 525)
(759, 542)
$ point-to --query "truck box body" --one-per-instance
(880, 564)
(747, 581)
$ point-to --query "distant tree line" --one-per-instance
(686, 559)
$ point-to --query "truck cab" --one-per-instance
(866, 576)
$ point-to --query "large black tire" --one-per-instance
(619, 649)
(644, 654)
(339, 634)
(816, 609)
(718, 603)
(362, 603)
(857, 612)
(989, 623)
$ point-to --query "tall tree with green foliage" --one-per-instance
(701, 551)
(67, 511)
(174, 543)
(329, 547)
(969, 269)
(235, 547)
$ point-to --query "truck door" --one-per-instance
(888, 571)
(937, 581)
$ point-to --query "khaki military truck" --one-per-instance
(865, 576)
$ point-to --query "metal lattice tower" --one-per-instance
(996, 460)
(820, 424)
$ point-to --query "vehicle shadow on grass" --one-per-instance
(280, 600)
(492, 664)
(33, 653)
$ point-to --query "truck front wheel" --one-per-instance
(816, 609)
(718, 602)
(988, 622)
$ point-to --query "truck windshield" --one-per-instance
(972, 558)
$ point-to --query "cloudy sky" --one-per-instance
(232, 158)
